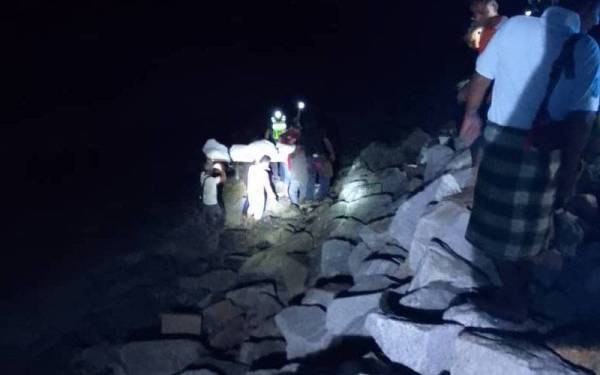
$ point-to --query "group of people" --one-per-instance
(308, 171)
(305, 174)
(544, 77)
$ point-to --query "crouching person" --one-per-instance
(210, 179)
(259, 187)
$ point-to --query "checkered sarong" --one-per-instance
(514, 196)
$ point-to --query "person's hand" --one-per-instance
(470, 129)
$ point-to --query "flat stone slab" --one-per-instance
(469, 315)
(427, 349)
(350, 312)
(479, 353)
(303, 328)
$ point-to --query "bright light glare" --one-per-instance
(301, 105)
(528, 12)
(278, 115)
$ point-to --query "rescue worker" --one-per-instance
(259, 186)
(321, 156)
(210, 179)
(273, 133)
(298, 175)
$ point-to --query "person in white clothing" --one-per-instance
(210, 179)
(543, 68)
(259, 187)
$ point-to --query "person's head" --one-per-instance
(589, 12)
(473, 36)
(483, 10)
(264, 161)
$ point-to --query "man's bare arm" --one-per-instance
(471, 126)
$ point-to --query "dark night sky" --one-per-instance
(109, 101)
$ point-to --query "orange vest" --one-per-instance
(488, 32)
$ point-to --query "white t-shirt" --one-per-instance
(258, 181)
(209, 189)
(520, 57)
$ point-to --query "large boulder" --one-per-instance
(334, 258)
(425, 348)
(348, 229)
(232, 335)
(303, 328)
(378, 156)
(437, 158)
(433, 297)
(372, 238)
(319, 297)
(255, 349)
(373, 284)
(407, 216)
(291, 274)
(347, 313)
(442, 266)
(393, 181)
(358, 255)
(180, 324)
(413, 145)
(163, 357)
(219, 367)
(203, 371)
(575, 296)
(569, 233)
(214, 281)
(379, 264)
(356, 190)
(372, 208)
(259, 301)
(468, 315)
(447, 221)
(479, 353)
(218, 316)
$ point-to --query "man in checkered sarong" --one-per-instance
(520, 185)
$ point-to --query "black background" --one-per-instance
(109, 102)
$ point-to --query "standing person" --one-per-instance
(518, 184)
(259, 186)
(210, 179)
(274, 133)
(320, 156)
(486, 22)
(486, 15)
(298, 175)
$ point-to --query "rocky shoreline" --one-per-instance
(375, 280)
